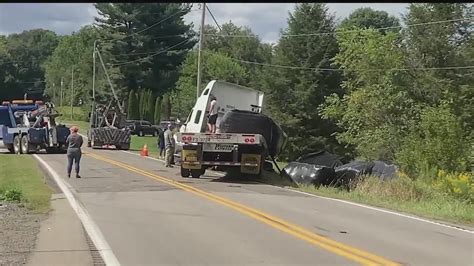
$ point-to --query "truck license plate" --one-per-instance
(221, 147)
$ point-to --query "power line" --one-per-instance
(343, 31)
(212, 15)
(335, 69)
(151, 26)
(142, 53)
(152, 55)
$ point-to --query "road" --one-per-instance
(148, 215)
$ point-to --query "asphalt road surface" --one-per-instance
(149, 215)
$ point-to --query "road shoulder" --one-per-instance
(61, 240)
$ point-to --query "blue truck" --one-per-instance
(27, 127)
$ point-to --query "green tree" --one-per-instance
(27, 52)
(142, 100)
(376, 108)
(216, 66)
(166, 107)
(157, 111)
(366, 17)
(150, 107)
(417, 118)
(133, 39)
(250, 49)
(293, 94)
(75, 51)
(437, 142)
(133, 106)
(442, 45)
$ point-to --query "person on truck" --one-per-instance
(169, 145)
(212, 115)
(74, 153)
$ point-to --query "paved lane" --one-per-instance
(149, 222)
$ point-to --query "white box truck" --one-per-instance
(198, 150)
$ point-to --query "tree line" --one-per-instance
(363, 88)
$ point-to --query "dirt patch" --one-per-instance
(19, 228)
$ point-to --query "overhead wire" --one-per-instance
(343, 31)
(336, 69)
(151, 55)
(212, 15)
(149, 27)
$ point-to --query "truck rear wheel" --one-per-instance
(10, 148)
(17, 144)
(124, 147)
(185, 172)
(196, 173)
(25, 145)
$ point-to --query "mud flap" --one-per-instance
(250, 158)
(189, 159)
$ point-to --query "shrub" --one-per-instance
(459, 185)
(436, 143)
(11, 195)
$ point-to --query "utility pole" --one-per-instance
(72, 92)
(93, 86)
(61, 92)
(199, 51)
(110, 82)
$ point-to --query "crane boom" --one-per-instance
(110, 82)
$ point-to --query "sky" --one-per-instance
(265, 19)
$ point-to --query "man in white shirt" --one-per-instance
(212, 114)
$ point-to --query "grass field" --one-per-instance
(21, 178)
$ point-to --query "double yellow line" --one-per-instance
(335, 247)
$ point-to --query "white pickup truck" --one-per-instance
(198, 150)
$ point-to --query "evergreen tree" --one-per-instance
(157, 116)
(132, 31)
(150, 107)
(293, 95)
(133, 106)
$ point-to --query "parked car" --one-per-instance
(164, 124)
(143, 128)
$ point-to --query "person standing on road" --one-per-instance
(161, 143)
(74, 153)
(169, 146)
(212, 115)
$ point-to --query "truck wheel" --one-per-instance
(51, 150)
(25, 145)
(17, 145)
(155, 133)
(125, 147)
(140, 133)
(196, 173)
(185, 172)
(10, 148)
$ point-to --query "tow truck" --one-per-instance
(27, 127)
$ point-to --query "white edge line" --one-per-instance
(384, 211)
(91, 228)
(349, 202)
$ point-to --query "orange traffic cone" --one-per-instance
(144, 151)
